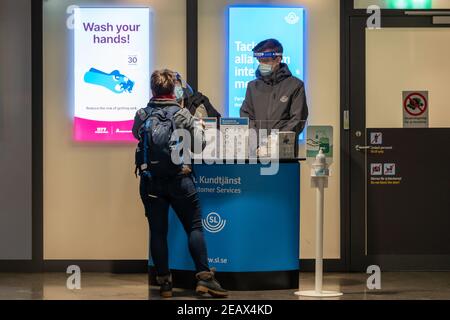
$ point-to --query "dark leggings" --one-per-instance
(179, 193)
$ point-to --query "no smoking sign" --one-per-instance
(415, 109)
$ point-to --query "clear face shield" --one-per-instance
(265, 61)
(182, 89)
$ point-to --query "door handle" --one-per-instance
(361, 148)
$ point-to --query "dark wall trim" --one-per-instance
(345, 135)
(37, 132)
(19, 266)
(141, 266)
(192, 42)
(129, 266)
(329, 265)
(112, 266)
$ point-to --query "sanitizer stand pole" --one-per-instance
(319, 180)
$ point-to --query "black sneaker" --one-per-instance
(207, 283)
(165, 289)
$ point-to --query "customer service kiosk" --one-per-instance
(251, 223)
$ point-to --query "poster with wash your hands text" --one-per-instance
(112, 71)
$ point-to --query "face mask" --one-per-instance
(265, 69)
(179, 93)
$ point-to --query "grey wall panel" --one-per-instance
(15, 130)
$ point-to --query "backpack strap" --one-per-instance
(170, 112)
(147, 125)
(144, 116)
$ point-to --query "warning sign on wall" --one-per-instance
(415, 109)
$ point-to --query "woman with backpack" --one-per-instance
(164, 183)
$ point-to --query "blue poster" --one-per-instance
(251, 222)
(248, 25)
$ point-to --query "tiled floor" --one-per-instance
(101, 286)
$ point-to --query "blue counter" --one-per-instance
(251, 224)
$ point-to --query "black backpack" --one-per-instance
(156, 143)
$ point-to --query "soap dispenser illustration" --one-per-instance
(114, 81)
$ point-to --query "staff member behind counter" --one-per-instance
(275, 99)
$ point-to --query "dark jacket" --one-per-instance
(200, 106)
(277, 101)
